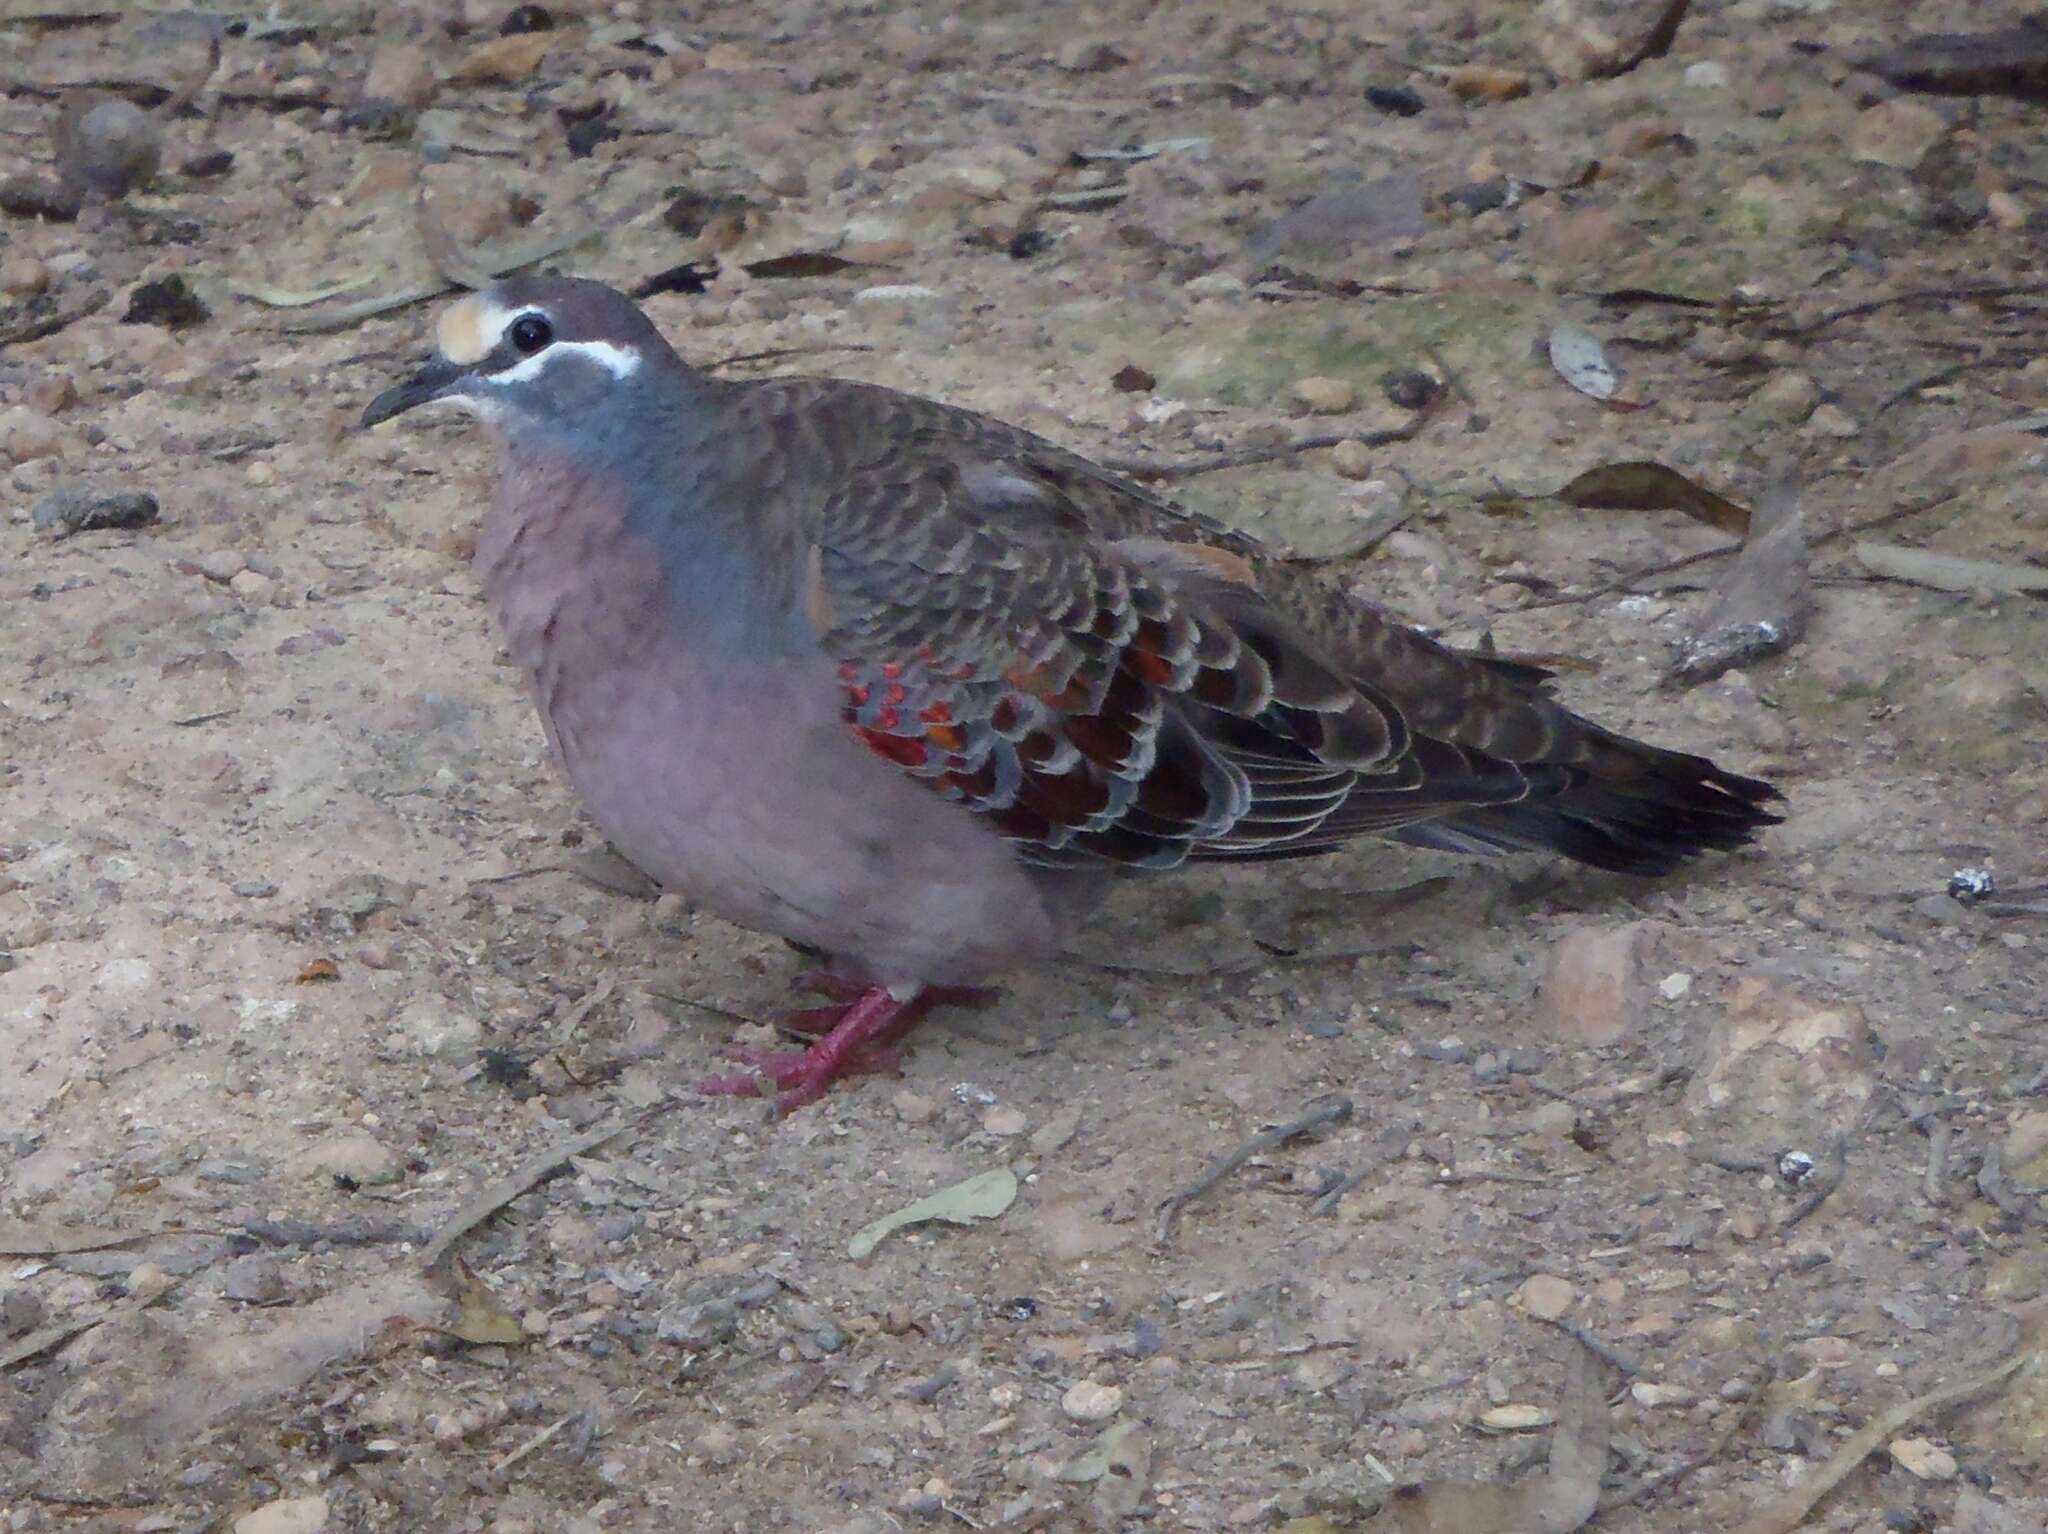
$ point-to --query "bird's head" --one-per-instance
(536, 351)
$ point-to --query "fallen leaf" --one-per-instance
(799, 263)
(479, 1319)
(319, 969)
(979, 1198)
(1581, 361)
(1950, 572)
(503, 60)
(1647, 486)
(1481, 82)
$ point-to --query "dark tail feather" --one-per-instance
(1666, 807)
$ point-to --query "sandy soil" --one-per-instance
(306, 945)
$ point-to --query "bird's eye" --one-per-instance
(530, 332)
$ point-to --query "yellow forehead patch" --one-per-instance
(469, 328)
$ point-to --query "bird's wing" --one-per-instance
(1056, 651)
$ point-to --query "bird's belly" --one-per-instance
(749, 796)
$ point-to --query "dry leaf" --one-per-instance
(479, 1319)
(978, 1198)
(1581, 361)
(1481, 82)
(1948, 572)
(798, 263)
(1646, 486)
(504, 60)
(319, 969)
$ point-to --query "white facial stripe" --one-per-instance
(619, 361)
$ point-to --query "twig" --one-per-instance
(342, 1233)
(1600, 1350)
(1326, 1203)
(1149, 469)
(1628, 1496)
(449, 260)
(1918, 296)
(1786, 1513)
(49, 325)
(529, 1173)
(1934, 1182)
(57, 1333)
(1623, 582)
(537, 1441)
(420, 292)
(775, 353)
(1325, 1113)
(1829, 1179)
(1992, 1184)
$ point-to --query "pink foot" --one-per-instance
(852, 1038)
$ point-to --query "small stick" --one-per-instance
(1628, 1496)
(1326, 1113)
(1934, 1182)
(345, 1233)
(1187, 468)
(1593, 1345)
(529, 1173)
(537, 1441)
(49, 325)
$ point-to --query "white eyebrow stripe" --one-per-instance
(619, 361)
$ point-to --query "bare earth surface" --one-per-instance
(302, 950)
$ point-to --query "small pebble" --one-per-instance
(1092, 1402)
(1003, 1121)
(1923, 1458)
(1325, 396)
(1352, 460)
(1546, 1296)
(254, 1280)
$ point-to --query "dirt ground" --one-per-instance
(304, 945)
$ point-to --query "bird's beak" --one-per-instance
(437, 380)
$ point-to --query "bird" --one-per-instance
(911, 687)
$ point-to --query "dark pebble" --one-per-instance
(74, 509)
(525, 18)
(168, 302)
(1397, 99)
(204, 167)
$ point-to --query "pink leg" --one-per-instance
(855, 1039)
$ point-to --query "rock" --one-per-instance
(1325, 396)
(1004, 1121)
(23, 277)
(1579, 52)
(1479, 82)
(292, 1515)
(1546, 1296)
(1092, 1402)
(1707, 75)
(441, 1034)
(2006, 211)
(1333, 225)
(1782, 1067)
(1785, 399)
(906, 294)
(2025, 1153)
(52, 393)
(1923, 1458)
(74, 509)
(1597, 989)
(1831, 420)
(1899, 133)
(1352, 460)
(359, 1157)
(111, 148)
(913, 1107)
(256, 1279)
(401, 73)
(1091, 56)
(26, 435)
(1650, 1393)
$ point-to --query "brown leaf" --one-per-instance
(503, 60)
(1561, 1502)
(799, 263)
(2012, 61)
(479, 1319)
(1132, 379)
(1646, 486)
(319, 969)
